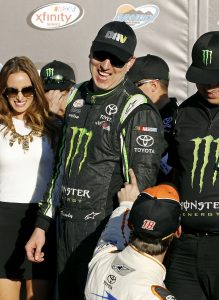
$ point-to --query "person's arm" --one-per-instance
(144, 144)
(34, 246)
(115, 236)
(45, 215)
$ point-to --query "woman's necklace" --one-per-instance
(24, 140)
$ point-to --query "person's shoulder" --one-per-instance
(162, 293)
(173, 103)
(192, 101)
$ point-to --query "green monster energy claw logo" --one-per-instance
(207, 57)
(49, 72)
(208, 140)
(78, 136)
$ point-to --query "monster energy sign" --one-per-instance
(208, 140)
(206, 57)
(79, 135)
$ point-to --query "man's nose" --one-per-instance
(106, 64)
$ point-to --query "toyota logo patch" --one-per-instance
(111, 279)
(111, 109)
(145, 141)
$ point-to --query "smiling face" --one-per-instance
(107, 71)
(210, 92)
(18, 102)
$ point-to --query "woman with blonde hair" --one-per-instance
(28, 134)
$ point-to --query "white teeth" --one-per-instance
(103, 74)
(20, 103)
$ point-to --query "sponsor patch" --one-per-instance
(148, 225)
(120, 268)
(142, 128)
(91, 215)
(145, 141)
(78, 103)
(111, 109)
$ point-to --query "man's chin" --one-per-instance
(214, 101)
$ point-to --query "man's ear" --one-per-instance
(154, 85)
(130, 63)
(178, 232)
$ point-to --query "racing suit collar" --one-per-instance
(94, 97)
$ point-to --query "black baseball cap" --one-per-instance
(149, 67)
(116, 38)
(156, 213)
(205, 59)
(57, 75)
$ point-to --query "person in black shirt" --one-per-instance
(193, 262)
(58, 79)
(151, 74)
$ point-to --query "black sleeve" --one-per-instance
(144, 144)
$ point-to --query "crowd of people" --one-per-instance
(108, 187)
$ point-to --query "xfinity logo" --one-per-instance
(145, 141)
(55, 15)
(111, 109)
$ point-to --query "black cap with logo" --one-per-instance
(149, 67)
(205, 59)
(156, 213)
(57, 75)
(117, 38)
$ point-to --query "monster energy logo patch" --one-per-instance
(49, 72)
(207, 57)
(208, 140)
(79, 136)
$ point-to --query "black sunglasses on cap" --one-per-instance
(11, 92)
(140, 83)
(103, 55)
(56, 79)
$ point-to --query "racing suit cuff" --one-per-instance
(127, 204)
(43, 222)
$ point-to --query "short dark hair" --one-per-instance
(155, 247)
(164, 83)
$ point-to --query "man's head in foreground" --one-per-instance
(155, 218)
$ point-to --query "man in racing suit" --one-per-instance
(133, 273)
(151, 74)
(193, 261)
(109, 127)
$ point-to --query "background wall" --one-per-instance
(168, 31)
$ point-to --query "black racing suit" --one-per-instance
(105, 134)
(193, 262)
